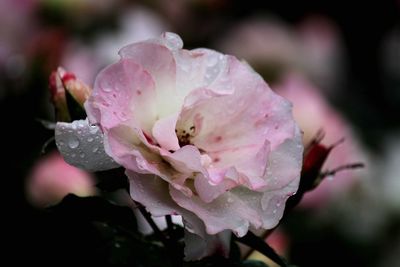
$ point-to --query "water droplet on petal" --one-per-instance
(90, 139)
(173, 41)
(230, 200)
(212, 60)
(106, 86)
(274, 211)
(73, 142)
(93, 129)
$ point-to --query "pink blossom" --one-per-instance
(313, 113)
(52, 179)
(313, 48)
(201, 135)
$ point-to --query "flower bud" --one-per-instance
(58, 97)
(68, 94)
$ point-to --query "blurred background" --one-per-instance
(338, 63)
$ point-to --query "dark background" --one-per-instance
(371, 103)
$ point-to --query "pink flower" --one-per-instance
(313, 48)
(313, 113)
(52, 179)
(200, 134)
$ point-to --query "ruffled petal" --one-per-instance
(285, 162)
(186, 160)
(227, 212)
(164, 132)
(157, 59)
(258, 121)
(208, 191)
(152, 192)
(123, 91)
(197, 69)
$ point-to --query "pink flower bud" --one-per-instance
(78, 89)
(58, 97)
(62, 82)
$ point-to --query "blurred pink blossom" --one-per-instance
(52, 178)
(279, 241)
(313, 112)
(313, 47)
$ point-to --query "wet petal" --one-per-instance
(158, 61)
(123, 91)
(164, 132)
(81, 145)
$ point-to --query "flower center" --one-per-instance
(185, 135)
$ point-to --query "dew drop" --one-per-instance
(173, 41)
(106, 86)
(93, 129)
(274, 211)
(90, 139)
(73, 155)
(212, 60)
(230, 200)
(82, 155)
(73, 142)
(95, 149)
